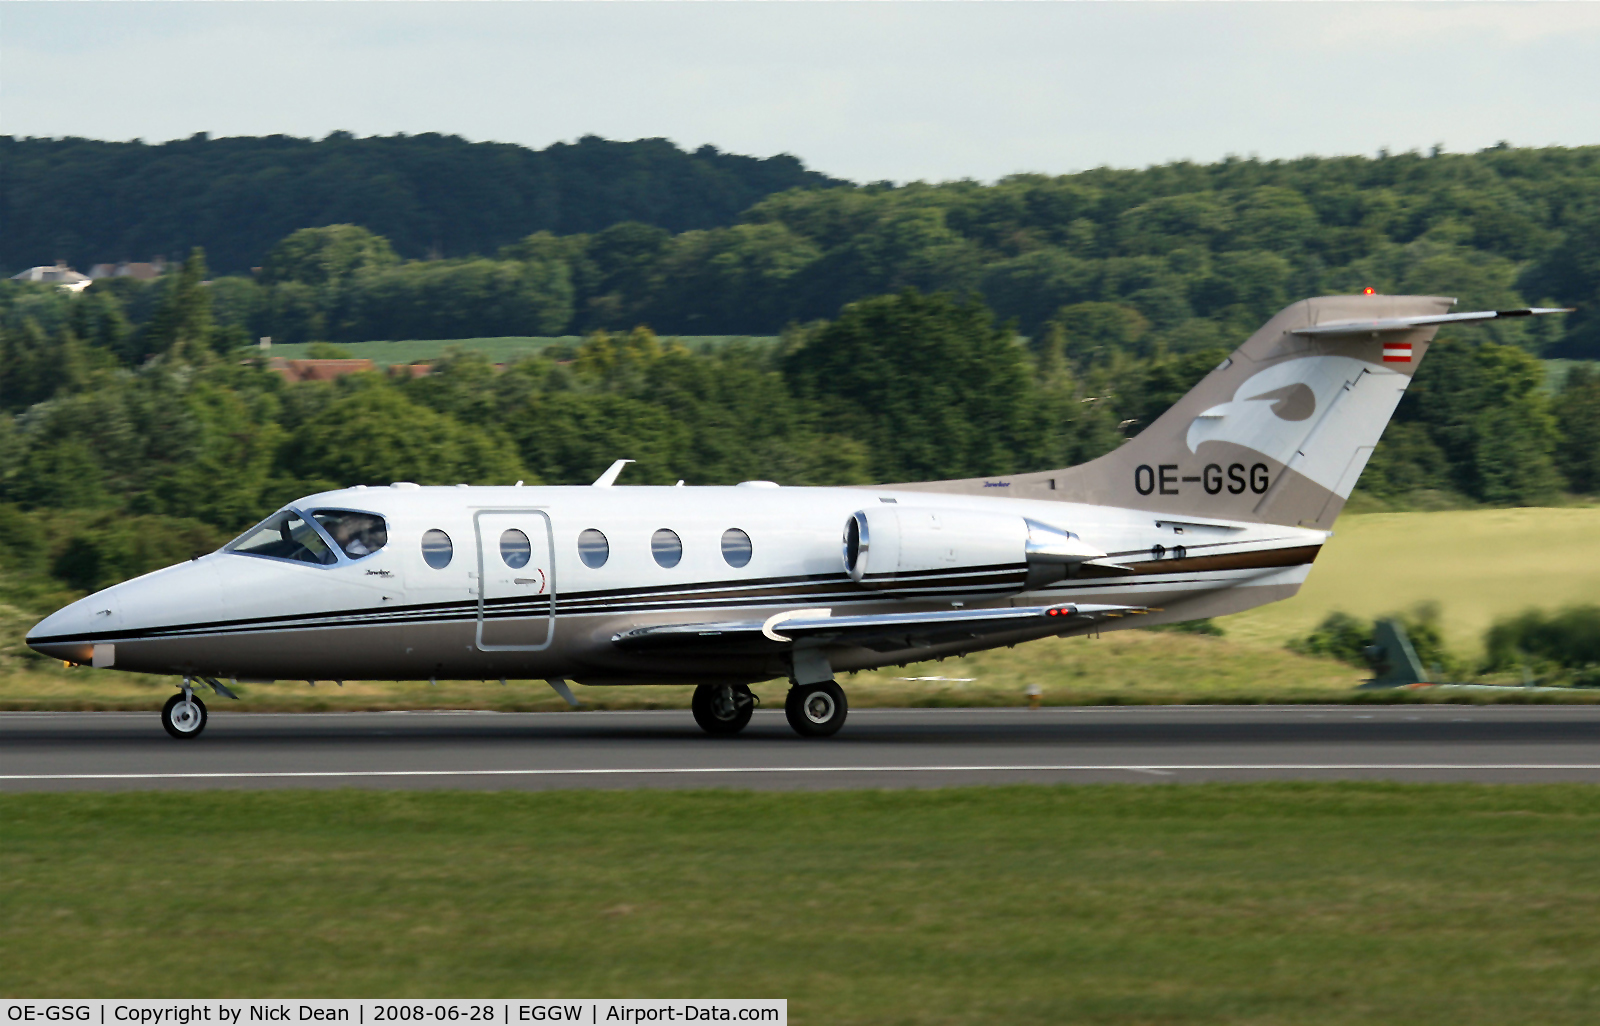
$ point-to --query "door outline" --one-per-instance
(483, 580)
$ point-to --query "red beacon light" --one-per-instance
(1369, 291)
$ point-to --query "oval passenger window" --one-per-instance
(593, 549)
(667, 547)
(436, 549)
(515, 549)
(736, 547)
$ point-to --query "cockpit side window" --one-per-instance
(358, 534)
(285, 535)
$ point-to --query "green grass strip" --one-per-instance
(1268, 903)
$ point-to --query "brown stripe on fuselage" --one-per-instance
(1262, 559)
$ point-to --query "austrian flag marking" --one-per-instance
(1397, 352)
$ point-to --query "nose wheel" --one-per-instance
(723, 708)
(816, 710)
(184, 716)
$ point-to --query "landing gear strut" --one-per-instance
(723, 708)
(184, 716)
(816, 710)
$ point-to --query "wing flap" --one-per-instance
(884, 632)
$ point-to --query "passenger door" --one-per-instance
(516, 580)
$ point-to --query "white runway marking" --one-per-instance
(736, 770)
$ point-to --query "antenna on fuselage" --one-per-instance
(609, 478)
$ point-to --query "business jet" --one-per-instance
(1220, 505)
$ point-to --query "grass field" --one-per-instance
(498, 350)
(1478, 565)
(1271, 904)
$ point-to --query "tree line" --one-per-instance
(113, 460)
(1181, 256)
(87, 201)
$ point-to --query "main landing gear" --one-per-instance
(723, 708)
(816, 710)
(813, 710)
(184, 715)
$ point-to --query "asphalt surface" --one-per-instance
(877, 748)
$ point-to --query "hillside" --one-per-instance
(605, 235)
(87, 201)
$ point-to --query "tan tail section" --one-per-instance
(1278, 433)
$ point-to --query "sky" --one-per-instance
(866, 91)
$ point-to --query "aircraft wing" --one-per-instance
(1379, 325)
(886, 632)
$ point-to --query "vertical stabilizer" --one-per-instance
(1277, 433)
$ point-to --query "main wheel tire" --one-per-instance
(816, 710)
(184, 718)
(723, 708)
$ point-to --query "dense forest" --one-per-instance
(1051, 318)
(602, 235)
(86, 201)
(111, 460)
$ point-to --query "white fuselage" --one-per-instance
(391, 615)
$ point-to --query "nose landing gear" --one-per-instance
(723, 708)
(184, 715)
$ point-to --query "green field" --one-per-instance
(506, 348)
(1478, 565)
(1273, 903)
(497, 350)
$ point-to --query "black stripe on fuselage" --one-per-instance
(622, 601)
(836, 588)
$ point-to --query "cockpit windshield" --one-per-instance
(285, 535)
(358, 534)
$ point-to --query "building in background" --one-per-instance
(125, 269)
(60, 275)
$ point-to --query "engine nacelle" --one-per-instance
(955, 549)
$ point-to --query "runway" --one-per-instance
(877, 748)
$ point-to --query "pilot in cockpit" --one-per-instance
(358, 534)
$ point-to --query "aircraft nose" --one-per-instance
(177, 595)
(68, 633)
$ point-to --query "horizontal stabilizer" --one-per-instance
(1382, 325)
(880, 631)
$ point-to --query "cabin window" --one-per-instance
(515, 549)
(285, 535)
(436, 549)
(736, 547)
(593, 549)
(358, 534)
(667, 547)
